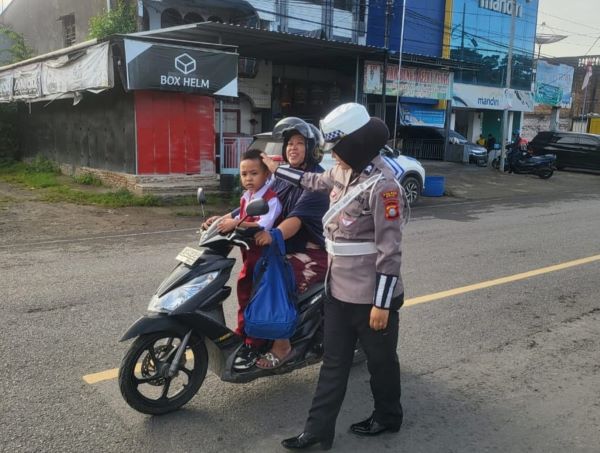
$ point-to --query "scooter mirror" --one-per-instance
(257, 207)
(201, 196)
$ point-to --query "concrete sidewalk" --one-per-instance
(470, 182)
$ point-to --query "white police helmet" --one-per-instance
(342, 121)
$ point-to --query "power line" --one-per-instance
(569, 20)
(438, 26)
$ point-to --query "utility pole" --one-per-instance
(513, 16)
(386, 44)
(462, 41)
(400, 50)
(140, 15)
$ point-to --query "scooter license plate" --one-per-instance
(189, 256)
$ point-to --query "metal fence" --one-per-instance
(423, 149)
(233, 147)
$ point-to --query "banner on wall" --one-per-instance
(414, 82)
(421, 115)
(491, 98)
(89, 69)
(182, 69)
(6, 86)
(553, 84)
(27, 83)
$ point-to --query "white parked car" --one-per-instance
(410, 173)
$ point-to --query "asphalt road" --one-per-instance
(510, 367)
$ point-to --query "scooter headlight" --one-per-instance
(174, 298)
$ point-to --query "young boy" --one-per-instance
(254, 176)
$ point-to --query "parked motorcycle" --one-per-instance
(184, 333)
(521, 162)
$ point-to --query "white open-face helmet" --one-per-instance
(342, 121)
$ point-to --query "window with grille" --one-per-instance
(68, 23)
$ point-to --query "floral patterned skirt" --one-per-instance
(310, 267)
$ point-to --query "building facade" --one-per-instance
(480, 33)
(268, 87)
(48, 26)
(475, 36)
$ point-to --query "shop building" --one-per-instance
(470, 39)
(479, 33)
(421, 91)
(126, 108)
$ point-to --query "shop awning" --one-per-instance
(283, 48)
(289, 48)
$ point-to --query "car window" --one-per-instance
(566, 140)
(267, 145)
(544, 137)
(458, 136)
(273, 148)
(588, 141)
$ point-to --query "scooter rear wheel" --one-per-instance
(545, 173)
(143, 376)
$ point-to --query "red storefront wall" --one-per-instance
(175, 133)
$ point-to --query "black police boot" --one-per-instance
(306, 440)
(370, 428)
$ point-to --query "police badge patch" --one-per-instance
(392, 204)
(392, 210)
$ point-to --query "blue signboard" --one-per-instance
(553, 84)
(421, 115)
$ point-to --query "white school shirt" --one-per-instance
(268, 220)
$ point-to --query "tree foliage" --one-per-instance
(18, 50)
(119, 20)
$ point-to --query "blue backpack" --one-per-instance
(271, 313)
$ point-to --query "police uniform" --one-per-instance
(363, 232)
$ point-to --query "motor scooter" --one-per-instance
(184, 332)
(520, 161)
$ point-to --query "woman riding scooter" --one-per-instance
(300, 226)
(302, 215)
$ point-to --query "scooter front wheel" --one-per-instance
(545, 173)
(145, 380)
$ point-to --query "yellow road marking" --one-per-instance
(107, 375)
(112, 374)
(499, 281)
(101, 376)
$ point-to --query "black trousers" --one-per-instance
(344, 324)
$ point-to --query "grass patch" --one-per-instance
(87, 179)
(39, 174)
(43, 175)
(118, 199)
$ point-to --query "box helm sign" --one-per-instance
(153, 66)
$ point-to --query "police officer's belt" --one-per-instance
(350, 248)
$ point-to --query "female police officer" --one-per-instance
(363, 229)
